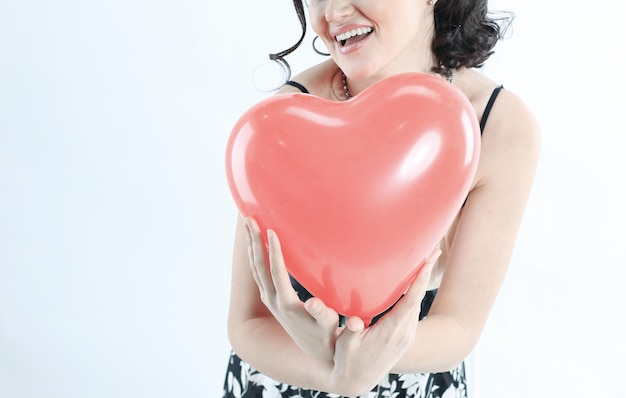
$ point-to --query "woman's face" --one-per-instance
(370, 39)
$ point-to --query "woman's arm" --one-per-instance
(255, 334)
(483, 243)
(304, 346)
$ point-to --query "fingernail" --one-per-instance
(311, 305)
(434, 256)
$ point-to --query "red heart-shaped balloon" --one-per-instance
(359, 192)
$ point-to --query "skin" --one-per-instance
(266, 317)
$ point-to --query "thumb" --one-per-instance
(355, 324)
(322, 314)
(354, 328)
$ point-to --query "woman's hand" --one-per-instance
(359, 356)
(363, 356)
(312, 325)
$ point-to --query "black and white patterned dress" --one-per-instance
(243, 381)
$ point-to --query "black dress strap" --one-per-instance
(483, 120)
(492, 99)
(298, 86)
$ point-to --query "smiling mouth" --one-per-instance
(353, 35)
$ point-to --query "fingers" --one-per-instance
(423, 275)
(320, 312)
(256, 252)
(280, 276)
(434, 256)
(355, 324)
(418, 287)
(284, 291)
(351, 333)
(409, 307)
(351, 336)
(274, 283)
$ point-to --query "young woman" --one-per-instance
(286, 343)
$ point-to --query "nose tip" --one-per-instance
(338, 10)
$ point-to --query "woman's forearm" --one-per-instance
(264, 344)
(441, 343)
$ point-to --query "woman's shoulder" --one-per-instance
(508, 112)
(315, 79)
(511, 130)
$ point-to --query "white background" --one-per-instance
(116, 223)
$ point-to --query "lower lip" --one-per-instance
(352, 47)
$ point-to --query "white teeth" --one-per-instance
(352, 33)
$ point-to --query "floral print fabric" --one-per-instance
(243, 381)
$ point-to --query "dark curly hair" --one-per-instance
(465, 34)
